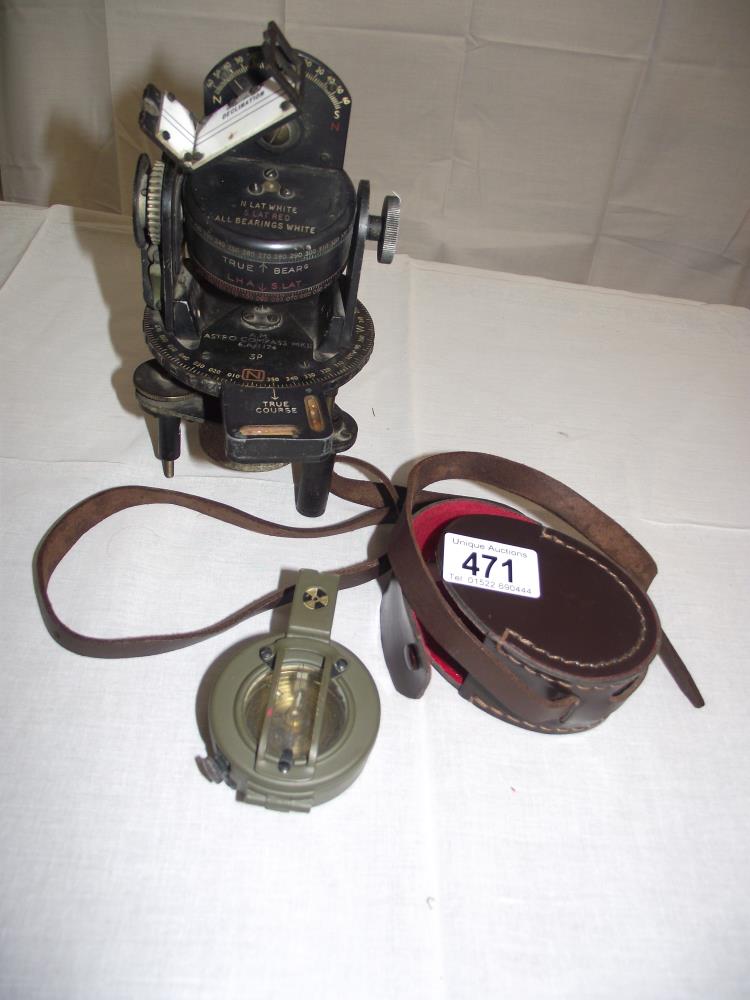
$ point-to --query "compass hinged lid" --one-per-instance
(573, 608)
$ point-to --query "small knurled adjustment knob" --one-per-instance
(153, 202)
(384, 228)
(147, 188)
(140, 195)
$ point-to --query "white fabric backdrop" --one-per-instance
(471, 859)
(596, 141)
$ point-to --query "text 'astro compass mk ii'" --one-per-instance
(252, 238)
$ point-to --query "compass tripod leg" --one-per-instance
(312, 484)
(168, 445)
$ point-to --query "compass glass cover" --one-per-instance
(293, 713)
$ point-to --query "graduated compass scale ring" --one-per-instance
(252, 238)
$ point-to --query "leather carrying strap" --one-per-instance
(380, 496)
(383, 501)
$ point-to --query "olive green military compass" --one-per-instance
(294, 716)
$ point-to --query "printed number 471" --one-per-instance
(472, 564)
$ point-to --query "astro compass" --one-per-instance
(251, 238)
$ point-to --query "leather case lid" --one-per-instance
(590, 618)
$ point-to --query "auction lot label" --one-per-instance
(476, 562)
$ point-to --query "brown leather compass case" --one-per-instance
(554, 649)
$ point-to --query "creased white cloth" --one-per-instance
(470, 859)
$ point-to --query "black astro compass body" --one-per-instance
(252, 238)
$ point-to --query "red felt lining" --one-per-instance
(428, 525)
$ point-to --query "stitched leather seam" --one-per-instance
(601, 663)
(493, 710)
(555, 680)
